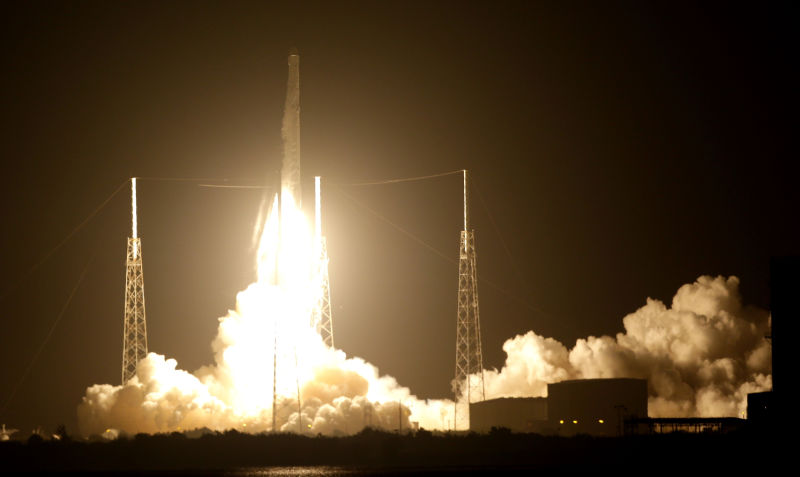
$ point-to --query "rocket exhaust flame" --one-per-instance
(236, 392)
(700, 356)
(267, 355)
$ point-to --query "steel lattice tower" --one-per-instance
(321, 318)
(468, 383)
(134, 337)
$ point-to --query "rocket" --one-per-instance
(290, 132)
(289, 196)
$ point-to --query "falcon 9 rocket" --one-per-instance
(290, 170)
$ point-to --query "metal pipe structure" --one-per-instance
(465, 200)
(134, 232)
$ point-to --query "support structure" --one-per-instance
(321, 318)
(134, 337)
(468, 383)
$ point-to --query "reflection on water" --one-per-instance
(310, 471)
(331, 471)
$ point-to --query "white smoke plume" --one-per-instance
(268, 333)
(701, 356)
(338, 395)
(335, 401)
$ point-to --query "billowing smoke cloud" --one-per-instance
(338, 395)
(265, 349)
(162, 398)
(701, 356)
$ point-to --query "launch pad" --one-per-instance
(281, 335)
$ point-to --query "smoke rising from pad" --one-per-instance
(337, 400)
(268, 334)
(701, 356)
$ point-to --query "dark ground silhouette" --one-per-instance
(382, 453)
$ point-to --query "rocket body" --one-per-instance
(290, 169)
(279, 242)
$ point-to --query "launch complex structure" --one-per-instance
(467, 385)
(134, 336)
(468, 382)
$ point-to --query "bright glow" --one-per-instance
(574, 422)
(280, 305)
(317, 208)
(600, 421)
(561, 421)
(270, 326)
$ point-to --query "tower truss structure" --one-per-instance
(134, 341)
(322, 318)
(468, 383)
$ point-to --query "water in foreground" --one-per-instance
(380, 453)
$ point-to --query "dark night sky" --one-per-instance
(620, 150)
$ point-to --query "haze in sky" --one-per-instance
(618, 151)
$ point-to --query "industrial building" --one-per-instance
(689, 425)
(516, 414)
(585, 406)
(595, 406)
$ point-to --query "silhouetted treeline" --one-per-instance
(385, 453)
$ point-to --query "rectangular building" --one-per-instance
(516, 414)
(585, 406)
(595, 406)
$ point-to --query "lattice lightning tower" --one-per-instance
(322, 319)
(468, 382)
(134, 337)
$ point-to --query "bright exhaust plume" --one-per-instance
(268, 331)
(701, 356)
